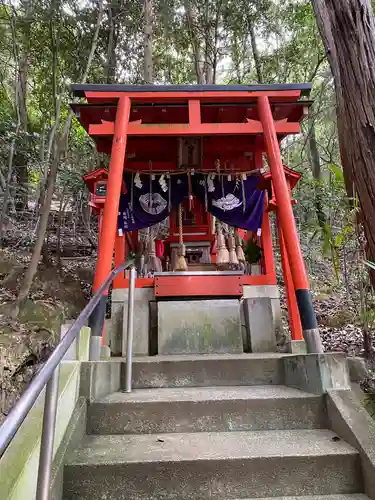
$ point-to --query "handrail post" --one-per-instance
(129, 337)
(48, 436)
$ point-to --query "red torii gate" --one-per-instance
(134, 123)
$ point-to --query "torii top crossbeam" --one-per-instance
(160, 113)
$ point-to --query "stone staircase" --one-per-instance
(211, 427)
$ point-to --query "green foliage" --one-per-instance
(253, 252)
(331, 245)
(56, 37)
(338, 173)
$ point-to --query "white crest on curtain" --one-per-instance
(226, 203)
(153, 204)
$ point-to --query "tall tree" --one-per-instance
(250, 21)
(204, 26)
(21, 157)
(148, 63)
(348, 32)
(60, 145)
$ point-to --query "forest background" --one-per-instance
(48, 238)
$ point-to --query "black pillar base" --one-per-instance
(308, 321)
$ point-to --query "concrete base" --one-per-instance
(75, 432)
(99, 378)
(352, 423)
(199, 327)
(297, 347)
(83, 348)
(357, 369)
(119, 320)
(255, 269)
(261, 333)
(105, 352)
(317, 373)
(95, 346)
(71, 353)
(313, 341)
(262, 314)
(79, 348)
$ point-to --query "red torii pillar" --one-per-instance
(289, 230)
(294, 319)
(109, 222)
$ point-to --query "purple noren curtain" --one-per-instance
(149, 204)
(149, 201)
(234, 202)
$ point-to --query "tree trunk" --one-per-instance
(207, 66)
(211, 23)
(21, 159)
(316, 172)
(41, 232)
(110, 70)
(4, 208)
(326, 25)
(253, 41)
(54, 45)
(12, 151)
(46, 259)
(195, 42)
(86, 219)
(348, 32)
(59, 148)
(148, 66)
(63, 205)
(256, 56)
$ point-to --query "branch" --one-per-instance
(94, 42)
(315, 71)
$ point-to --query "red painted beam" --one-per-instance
(209, 129)
(174, 286)
(194, 112)
(177, 286)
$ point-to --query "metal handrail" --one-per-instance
(48, 375)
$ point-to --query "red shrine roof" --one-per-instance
(80, 90)
(100, 174)
(292, 176)
(228, 117)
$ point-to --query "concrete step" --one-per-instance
(192, 409)
(207, 370)
(222, 465)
